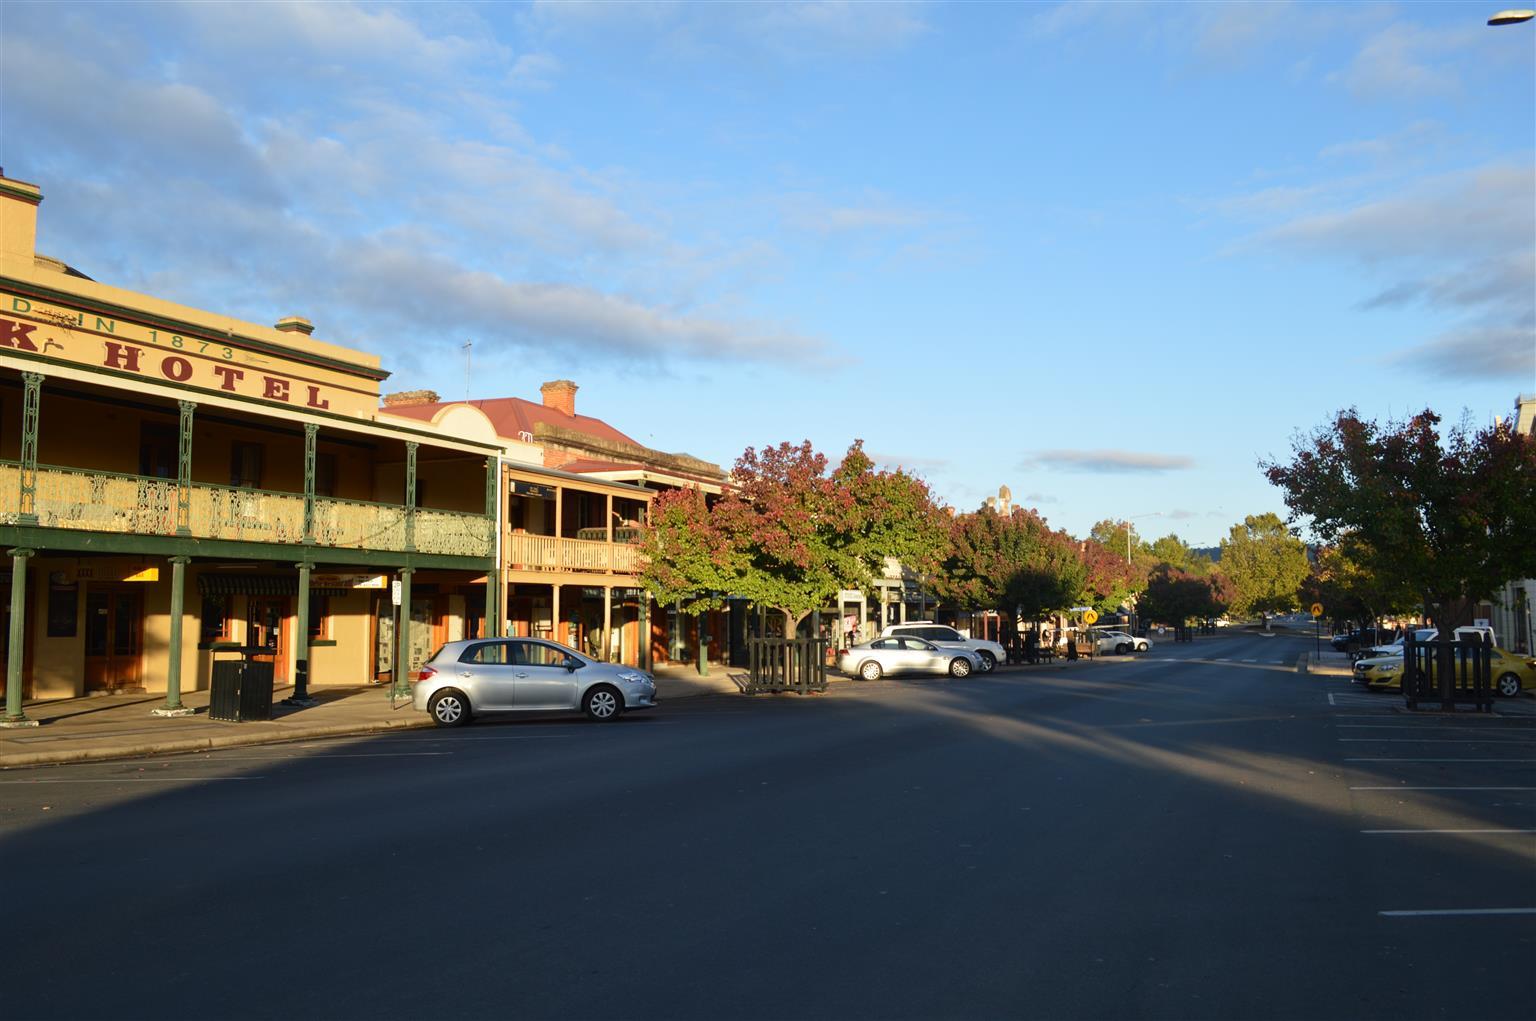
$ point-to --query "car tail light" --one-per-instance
(426, 673)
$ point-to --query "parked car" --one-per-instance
(902, 654)
(1428, 634)
(479, 677)
(1360, 638)
(1511, 674)
(1119, 642)
(948, 638)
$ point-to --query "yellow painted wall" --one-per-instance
(57, 663)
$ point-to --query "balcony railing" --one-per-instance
(546, 553)
(95, 501)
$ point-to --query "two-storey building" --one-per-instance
(175, 483)
(576, 492)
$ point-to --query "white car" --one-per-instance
(1120, 642)
(1429, 634)
(991, 653)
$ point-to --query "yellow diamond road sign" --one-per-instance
(1317, 609)
(1089, 616)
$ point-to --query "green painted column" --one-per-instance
(402, 684)
(410, 495)
(493, 505)
(311, 433)
(31, 406)
(14, 715)
(184, 468)
(173, 706)
(301, 659)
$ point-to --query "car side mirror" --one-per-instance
(571, 665)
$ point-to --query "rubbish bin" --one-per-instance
(242, 688)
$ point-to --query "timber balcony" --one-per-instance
(96, 501)
(526, 552)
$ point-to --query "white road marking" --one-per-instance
(1250, 661)
(1440, 760)
(1417, 740)
(1443, 788)
(1399, 832)
(1457, 911)
(138, 779)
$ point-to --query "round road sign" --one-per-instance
(1317, 609)
(1089, 616)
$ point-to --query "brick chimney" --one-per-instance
(410, 398)
(560, 394)
(295, 324)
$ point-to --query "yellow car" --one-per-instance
(1511, 674)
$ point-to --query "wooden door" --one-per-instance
(267, 628)
(114, 638)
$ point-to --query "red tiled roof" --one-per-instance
(513, 415)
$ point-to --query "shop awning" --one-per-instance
(218, 583)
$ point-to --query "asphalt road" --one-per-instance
(1198, 833)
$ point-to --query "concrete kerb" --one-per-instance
(234, 739)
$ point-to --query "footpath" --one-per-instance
(103, 727)
(120, 726)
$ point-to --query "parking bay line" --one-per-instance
(1440, 760)
(136, 779)
(1450, 912)
(1413, 832)
(1443, 788)
(1417, 740)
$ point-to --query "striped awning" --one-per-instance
(247, 583)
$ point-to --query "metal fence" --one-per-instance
(1449, 672)
(786, 664)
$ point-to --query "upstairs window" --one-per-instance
(245, 465)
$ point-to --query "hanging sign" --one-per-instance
(361, 581)
(520, 488)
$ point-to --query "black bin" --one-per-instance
(242, 688)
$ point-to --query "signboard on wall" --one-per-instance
(104, 570)
(360, 581)
(58, 333)
(535, 489)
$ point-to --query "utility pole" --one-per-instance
(468, 350)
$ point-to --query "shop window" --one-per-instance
(245, 465)
(319, 618)
(216, 622)
(63, 610)
(325, 474)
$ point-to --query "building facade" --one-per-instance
(176, 485)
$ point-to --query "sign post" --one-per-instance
(1317, 629)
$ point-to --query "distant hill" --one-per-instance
(1212, 552)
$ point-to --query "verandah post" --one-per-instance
(14, 715)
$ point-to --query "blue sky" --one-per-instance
(1109, 255)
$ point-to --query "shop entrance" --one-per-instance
(114, 638)
(268, 631)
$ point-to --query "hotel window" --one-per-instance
(245, 465)
(319, 618)
(214, 625)
(325, 474)
(63, 610)
(157, 451)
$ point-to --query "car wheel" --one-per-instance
(1122, 649)
(988, 661)
(870, 671)
(1509, 685)
(602, 704)
(1143, 647)
(449, 708)
(960, 667)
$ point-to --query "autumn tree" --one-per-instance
(1348, 590)
(1450, 516)
(1174, 595)
(1266, 565)
(799, 533)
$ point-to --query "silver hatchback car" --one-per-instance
(481, 676)
(903, 654)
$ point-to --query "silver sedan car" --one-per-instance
(899, 655)
(508, 675)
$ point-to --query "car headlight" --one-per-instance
(634, 677)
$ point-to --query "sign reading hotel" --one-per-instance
(88, 340)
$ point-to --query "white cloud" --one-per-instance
(1108, 461)
(1405, 61)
